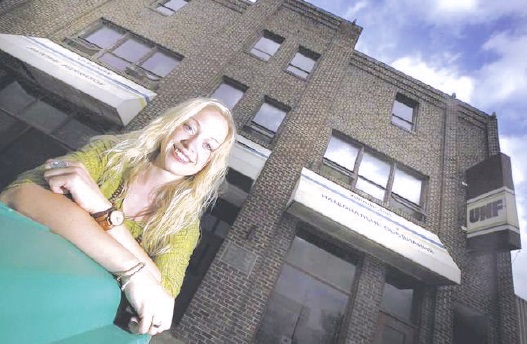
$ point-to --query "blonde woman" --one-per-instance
(132, 202)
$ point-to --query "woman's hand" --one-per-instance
(154, 306)
(72, 177)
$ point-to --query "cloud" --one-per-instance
(352, 11)
(504, 79)
(514, 146)
(444, 79)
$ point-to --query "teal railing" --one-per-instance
(51, 292)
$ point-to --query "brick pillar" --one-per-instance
(363, 320)
(449, 231)
(508, 326)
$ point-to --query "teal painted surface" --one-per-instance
(51, 291)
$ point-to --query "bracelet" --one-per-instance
(129, 273)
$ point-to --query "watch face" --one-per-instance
(116, 218)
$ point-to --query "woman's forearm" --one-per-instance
(123, 236)
(67, 219)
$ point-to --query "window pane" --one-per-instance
(175, 5)
(265, 48)
(28, 151)
(392, 336)
(370, 188)
(10, 129)
(114, 61)
(403, 111)
(342, 153)
(374, 170)
(302, 310)
(44, 116)
(297, 71)
(403, 124)
(164, 10)
(160, 64)
(228, 94)
(303, 62)
(315, 260)
(269, 117)
(132, 50)
(398, 301)
(13, 98)
(104, 37)
(75, 134)
(407, 186)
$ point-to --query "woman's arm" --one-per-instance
(122, 235)
(67, 219)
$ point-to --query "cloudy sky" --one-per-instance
(475, 48)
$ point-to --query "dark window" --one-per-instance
(229, 92)
(35, 126)
(239, 180)
(309, 300)
(170, 7)
(470, 326)
(268, 118)
(403, 112)
(377, 175)
(398, 298)
(267, 45)
(398, 315)
(303, 62)
(123, 51)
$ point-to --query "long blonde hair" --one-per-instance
(178, 204)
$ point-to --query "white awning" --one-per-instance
(76, 78)
(373, 229)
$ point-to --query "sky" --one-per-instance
(474, 48)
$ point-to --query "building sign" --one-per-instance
(248, 157)
(77, 79)
(373, 229)
(492, 217)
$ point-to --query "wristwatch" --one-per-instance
(109, 218)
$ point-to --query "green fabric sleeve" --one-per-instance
(173, 264)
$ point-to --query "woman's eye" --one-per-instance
(208, 147)
(188, 128)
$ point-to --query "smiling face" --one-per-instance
(188, 149)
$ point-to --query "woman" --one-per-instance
(133, 202)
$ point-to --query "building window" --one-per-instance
(303, 62)
(470, 326)
(404, 112)
(399, 309)
(268, 118)
(377, 175)
(309, 300)
(123, 51)
(170, 7)
(35, 126)
(267, 45)
(229, 92)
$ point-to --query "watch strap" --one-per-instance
(102, 218)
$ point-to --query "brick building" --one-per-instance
(357, 209)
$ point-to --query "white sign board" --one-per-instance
(377, 224)
(247, 157)
(492, 212)
(125, 96)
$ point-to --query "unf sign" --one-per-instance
(492, 218)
